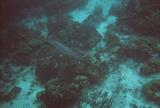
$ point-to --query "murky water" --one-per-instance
(122, 84)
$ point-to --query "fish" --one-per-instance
(61, 47)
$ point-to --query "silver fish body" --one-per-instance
(62, 48)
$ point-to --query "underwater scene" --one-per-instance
(80, 54)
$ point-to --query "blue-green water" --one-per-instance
(88, 36)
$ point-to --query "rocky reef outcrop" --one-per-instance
(64, 79)
(151, 90)
(139, 16)
(74, 34)
(151, 67)
(8, 88)
(139, 48)
(69, 56)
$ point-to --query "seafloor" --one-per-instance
(80, 54)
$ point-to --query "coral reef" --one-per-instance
(79, 36)
(8, 89)
(59, 94)
(151, 67)
(13, 11)
(9, 94)
(151, 91)
(65, 78)
(113, 44)
(141, 16)
(60, 7)
(139, 48)
(43, 42)
(9, 42)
